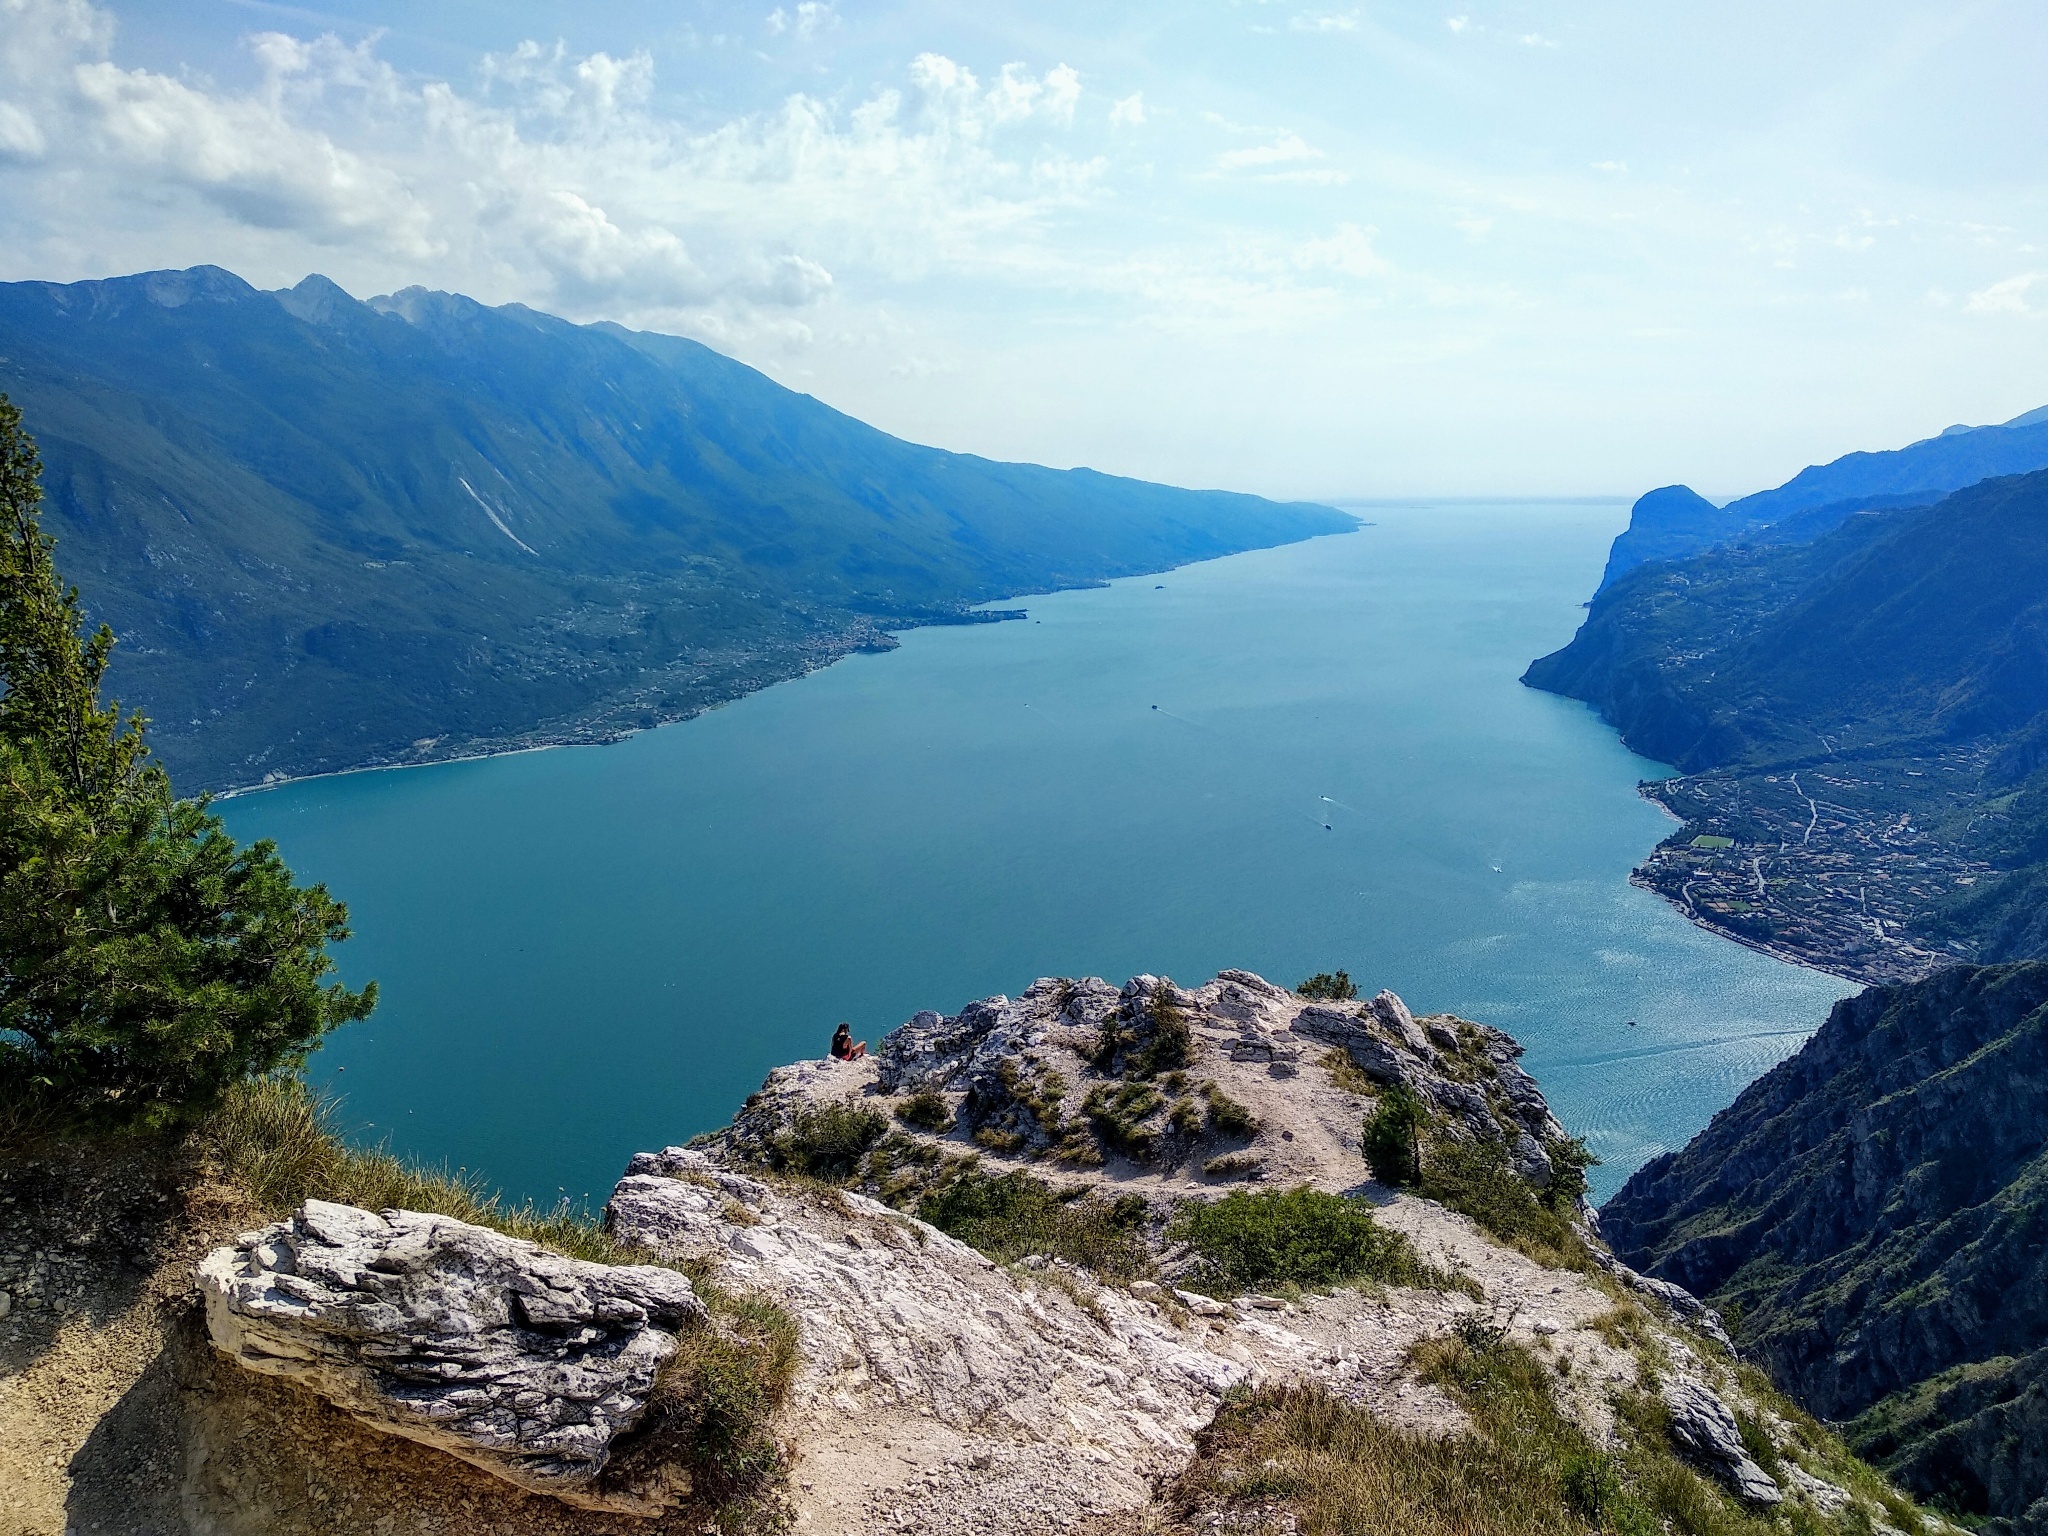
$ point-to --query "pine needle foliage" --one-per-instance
(147, 963)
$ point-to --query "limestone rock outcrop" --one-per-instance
(895, 1313)
(525, 1363)
(1705, 1428)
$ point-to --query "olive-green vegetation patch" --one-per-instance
(1013, 1216)
(827, 1141)
(1328, 987)
(926, 1110)
(1118, 1112)
(1707, 840)
(1143, 1040)
(1475, 1179)
(1227, 1117)
(1300, 1237)
(1637, 1485)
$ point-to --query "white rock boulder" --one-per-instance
(520, 1361)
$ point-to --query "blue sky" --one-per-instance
(1337, 250)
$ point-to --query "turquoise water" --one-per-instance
(1288, 761)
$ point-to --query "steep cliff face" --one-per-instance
(1875, 1212)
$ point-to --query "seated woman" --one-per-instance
(845, 1047)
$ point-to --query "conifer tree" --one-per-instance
(146, 962)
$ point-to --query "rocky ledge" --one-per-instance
(938, 1390)
(519, 1361)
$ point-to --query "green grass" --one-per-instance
(827, 1141)
(1255, 1239)
(1013, 1216)
(1707, 840)
(1227, 1117)
(273, 1138)
(926, 1110)
(1475, 1179)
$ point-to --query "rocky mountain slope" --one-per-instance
(332, 533)
(1874, 1212)
(1012, 1272)
(1676, 521)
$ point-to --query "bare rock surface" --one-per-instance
(1704, 1426)
(523, 1362)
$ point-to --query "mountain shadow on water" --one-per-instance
(1873, 1215)
(334, 533)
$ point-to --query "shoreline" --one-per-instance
(865, 641)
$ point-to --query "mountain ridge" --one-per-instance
(335, 533)
(1665, 524)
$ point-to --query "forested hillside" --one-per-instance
(1863, 720)
(333, 533)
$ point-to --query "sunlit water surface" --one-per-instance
(1287, 761)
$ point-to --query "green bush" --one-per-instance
(1148, 1041)
(1012, 1216)
(1118, 1114)
(147, 964)
(1392, 1137)
(1475, 1179)
(827, 1141)
(1305, 1237)
(1329, 987)
(1227, 1117)
(926, 1110)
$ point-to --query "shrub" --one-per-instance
(1227, 1117)
(1118, 1114)
(926, 1110)
(1475, 1179)
(1392, 1137)
(1329, 987)
(827, 1141)
(1144, 1043)
(1300, 1236)
(1012, 1216)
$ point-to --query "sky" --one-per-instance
(1347, 250)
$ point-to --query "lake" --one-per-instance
(1287, 761)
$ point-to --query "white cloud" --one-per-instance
(1612, 167)
(1129, 112)
(1305, 21)
(1458, 23)
(2008, 297)
(1349, 251)
(1535, 40)
(1284, 149)
(807, 21)
(553, 180)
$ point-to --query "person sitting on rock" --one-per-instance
(845, 1047)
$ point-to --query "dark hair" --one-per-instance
(844, 1028)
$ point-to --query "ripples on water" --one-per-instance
(588, 952)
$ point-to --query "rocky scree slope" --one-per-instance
(1875, 1211)
(332, 533)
